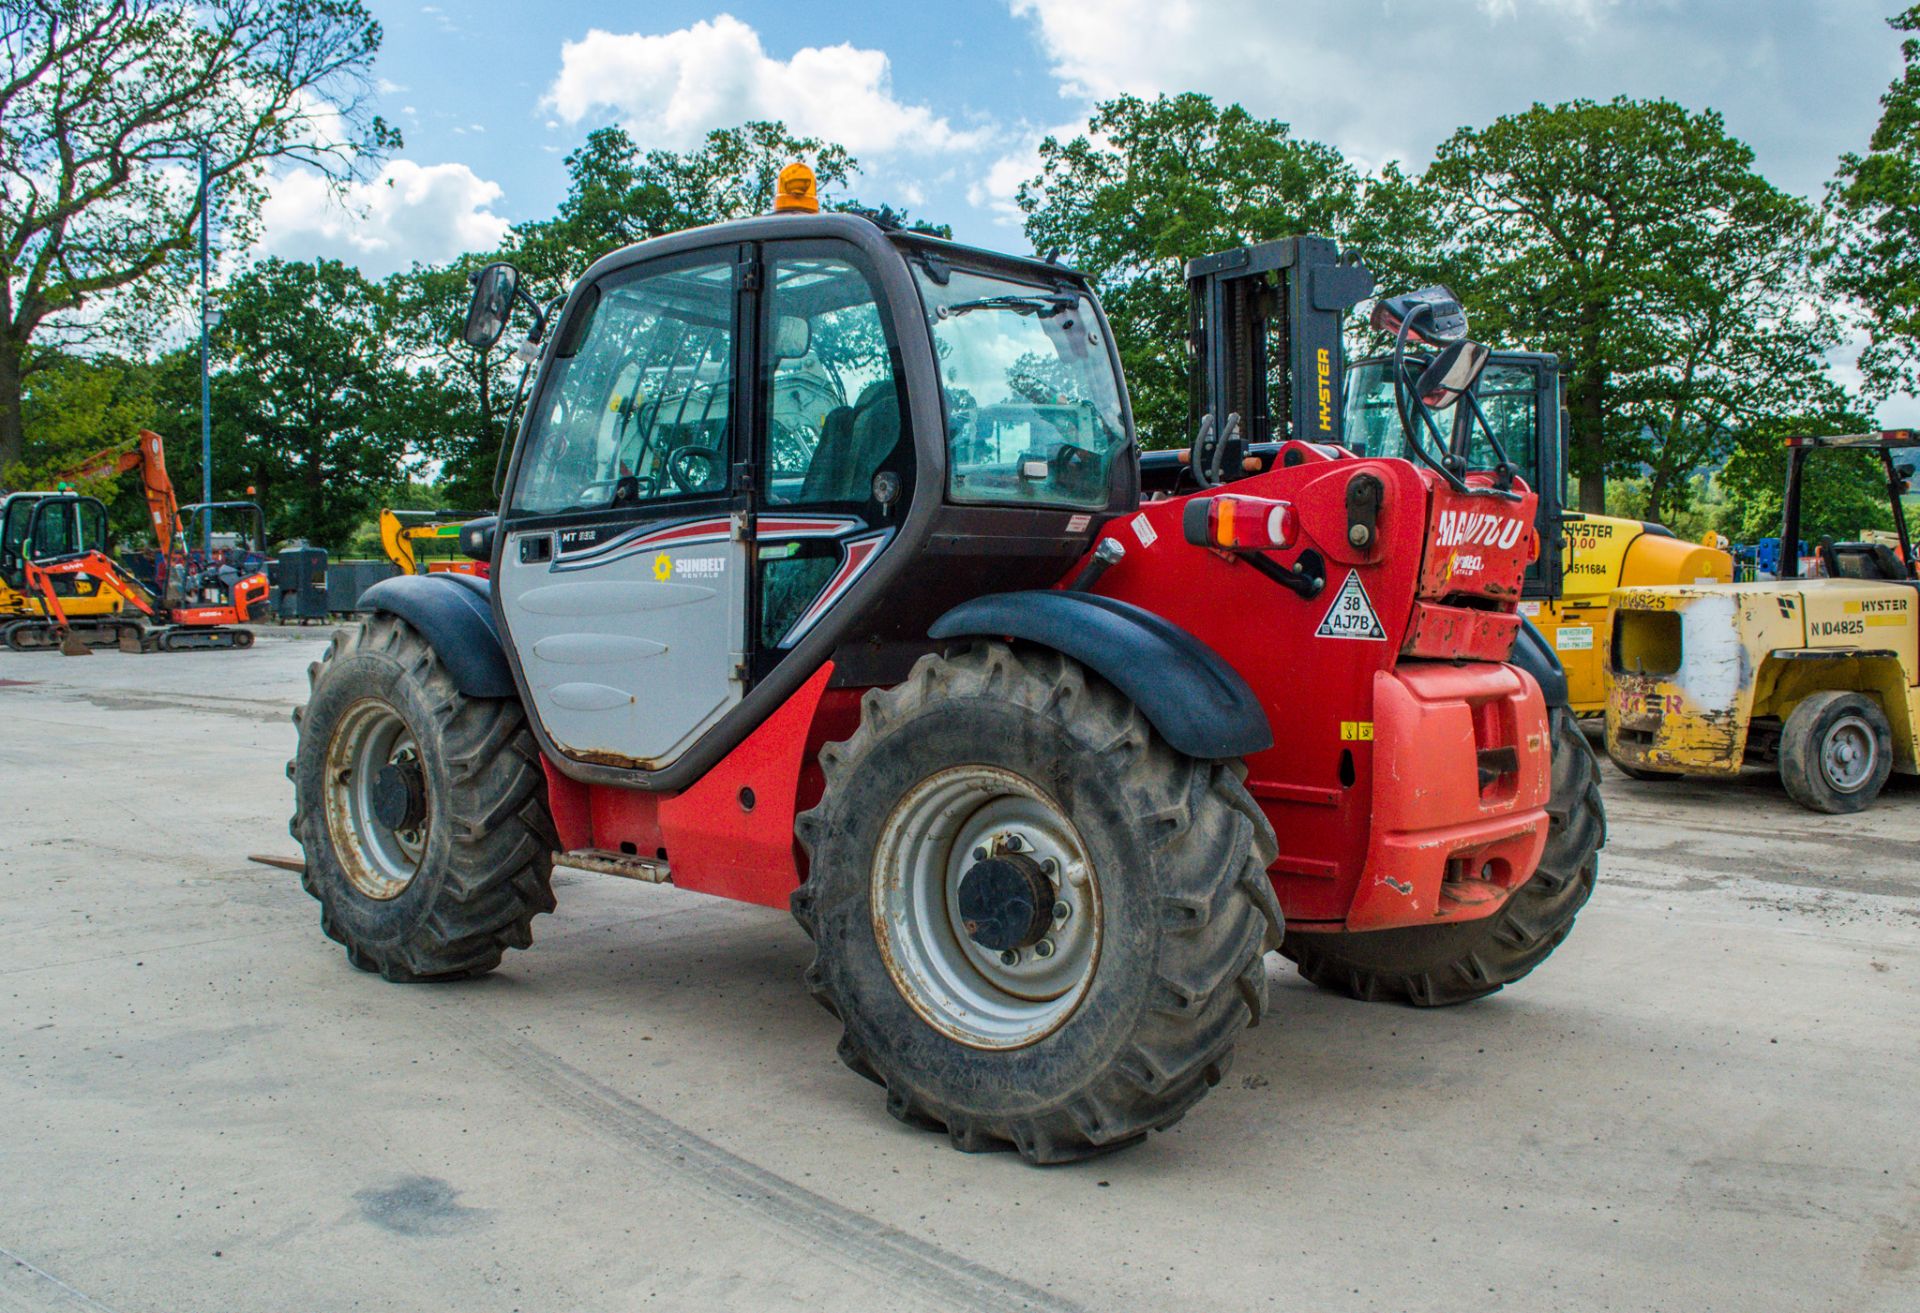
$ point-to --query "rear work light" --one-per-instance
(1240, 524)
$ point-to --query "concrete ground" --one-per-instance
(1706, 1101)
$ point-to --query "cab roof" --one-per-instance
(853, 227)
(1883, 440)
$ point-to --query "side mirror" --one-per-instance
(1451, 373)
(1433, 315)
(494, 288)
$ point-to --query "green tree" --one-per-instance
(455, 402)
(1875, 202)
(618, 194)
(1635, 239)
(309, 401)
(1843, 493)
(104, 105)
(1154, 183)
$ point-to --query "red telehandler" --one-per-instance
(822, 580)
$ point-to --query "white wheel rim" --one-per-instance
(1850, 754)
(965, 991)
(379, 862)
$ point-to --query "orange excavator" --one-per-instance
(196, 601)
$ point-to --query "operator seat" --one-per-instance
(854, 441)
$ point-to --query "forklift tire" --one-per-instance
(1644, 775)
(1471, 959)
(1836, 751)
(423, 812)
(1040, 926)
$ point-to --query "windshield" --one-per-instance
(1506, 394)
(637, 402)
(1032, 400)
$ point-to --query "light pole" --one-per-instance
(206, 386)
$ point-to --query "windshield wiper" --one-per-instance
(1046, 307)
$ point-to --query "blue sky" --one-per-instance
(944, 104)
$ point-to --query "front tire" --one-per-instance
(1144, 869)
(1836, 751)
(422, 811)
(1445, 964)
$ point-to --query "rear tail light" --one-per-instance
(1241, 524)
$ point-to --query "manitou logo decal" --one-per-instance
(1458, 528)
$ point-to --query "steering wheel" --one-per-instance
(692, 468)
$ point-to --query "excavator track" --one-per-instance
(198, 638)
(38, 634)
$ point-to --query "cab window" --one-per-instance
(1508, 396)
(636, 407)
(833, 411)
(1033, 402)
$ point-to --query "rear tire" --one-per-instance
(457, 878)
(1470, 959)
(1836, 751)
(1161, 857)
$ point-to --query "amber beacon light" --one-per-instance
(796, 192)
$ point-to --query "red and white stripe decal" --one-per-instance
(713, 528)
(860, 553)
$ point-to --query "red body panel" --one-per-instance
(1340, 708)
(710, 838)
(1441, 846)
(1374, 783)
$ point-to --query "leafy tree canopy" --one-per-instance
(1635, 239)
(105, 106)
(1154, 183)
(1875, 200)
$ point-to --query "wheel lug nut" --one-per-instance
(979, 854)
(1062, 910)
(1044, 948)
(1050, 866)
(1010, 958)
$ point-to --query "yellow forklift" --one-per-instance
(1568, 593)
(1813, 673)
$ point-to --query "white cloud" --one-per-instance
(409, 212)
(673, 88)
(1799, 82)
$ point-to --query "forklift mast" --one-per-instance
(1266, 336)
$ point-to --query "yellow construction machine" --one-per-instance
(1815, 673)
(404, 533)
(1568, 593)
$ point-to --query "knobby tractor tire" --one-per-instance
(1433, 967)
(1178, 852)
(485, 865)
(1808, 739)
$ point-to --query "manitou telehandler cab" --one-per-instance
(1815, 673)
(821, 579)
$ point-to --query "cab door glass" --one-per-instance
(835, 435)
(833, 413)
(1033, 402)
(637, 407)
(1509, 397)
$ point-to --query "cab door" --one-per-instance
(623, 575)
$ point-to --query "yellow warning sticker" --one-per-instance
(1356, 731)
